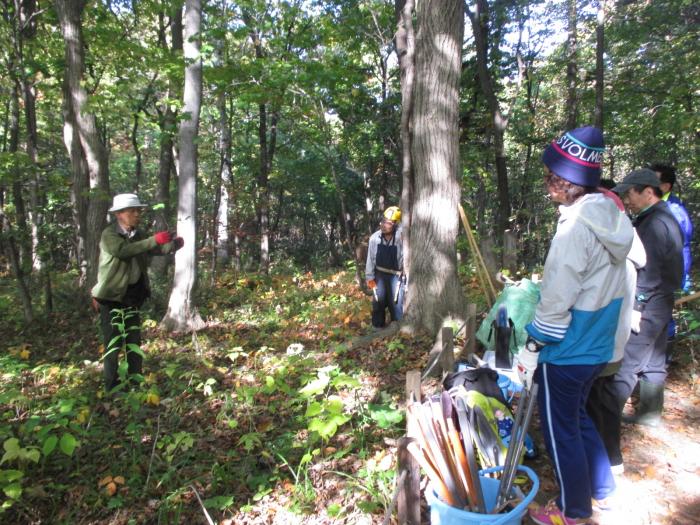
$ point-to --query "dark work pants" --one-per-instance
(387, 283)
(580, 461)
(116, 338)
(645, 358)
(645, 353)
(604, 409)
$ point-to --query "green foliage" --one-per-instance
(385, 416)
(264, 399)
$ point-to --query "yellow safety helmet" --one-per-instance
(393, 213)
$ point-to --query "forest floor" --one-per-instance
(265, 417)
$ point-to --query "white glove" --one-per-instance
(636, 321)
(525, 363)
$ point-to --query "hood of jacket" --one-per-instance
(602, 217)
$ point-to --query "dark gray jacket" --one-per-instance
(663, 243)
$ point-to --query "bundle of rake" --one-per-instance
(445, 433)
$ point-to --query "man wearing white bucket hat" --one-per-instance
(122, 283)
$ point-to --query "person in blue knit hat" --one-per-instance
(572, 336)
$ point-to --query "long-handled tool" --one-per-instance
(436, 446)
(467, 440)
(440, 426)
(482, 270)
(402, 284)
(516, 446)
(435, 478)
(460, 460)
(511, 459)
(487, 440)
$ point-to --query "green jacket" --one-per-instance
(123, 260)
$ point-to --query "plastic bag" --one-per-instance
(520, 300)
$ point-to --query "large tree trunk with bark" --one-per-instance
(434, 294)
(83, 125)
(406, 50)
(182, 315)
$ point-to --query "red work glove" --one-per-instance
(162, 237)
(371, 284)
(178, 242)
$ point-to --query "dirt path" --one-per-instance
(661, 483)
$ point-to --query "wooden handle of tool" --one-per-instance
(435, 478)
(687, 298)
(422, 438)
(461, 462)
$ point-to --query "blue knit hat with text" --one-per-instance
(576, 156)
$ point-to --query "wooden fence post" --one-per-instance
(470, 336)
(408, 504)
(447, 355)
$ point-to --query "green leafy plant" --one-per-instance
(386, 416)
(119, 341)
(325, 412)
(303, 488)
(11, 485)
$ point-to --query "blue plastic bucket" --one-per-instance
(443, 514)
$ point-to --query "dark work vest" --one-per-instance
(387, 254)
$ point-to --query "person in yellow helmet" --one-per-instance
(384, 269)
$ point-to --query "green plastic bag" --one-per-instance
(520, 299)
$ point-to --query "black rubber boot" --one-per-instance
(651, 404)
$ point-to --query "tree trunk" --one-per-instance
(221, 239)
(267, 152)
(35, 215)
(480, 28)
(137, 152)
(267, 141)
(182, 315)
(434, 293)
(406, 50)
(221, 224)
(21, 237)
(23, 26)
(599, 66)
(168, 129)
(80, 188)
(572, 68)
(11, 250)
(92, 150)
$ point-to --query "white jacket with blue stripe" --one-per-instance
(583, 284)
